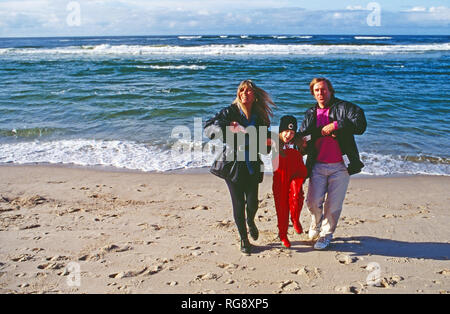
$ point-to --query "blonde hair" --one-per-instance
(318, 80)
(262, 104)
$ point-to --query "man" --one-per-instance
(332, 124)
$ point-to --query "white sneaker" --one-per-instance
(322, 243)
(313, 234)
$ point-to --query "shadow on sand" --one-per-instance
(365, 245)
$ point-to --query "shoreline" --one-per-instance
(174, 233)
(202, 170)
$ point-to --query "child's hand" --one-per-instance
(298, 140)
(301, 143)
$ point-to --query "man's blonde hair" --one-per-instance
(318, 80)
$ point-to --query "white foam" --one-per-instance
(371, 37)
(145, 157)
(377, 164)
(247, 49)
(189, 37)
(173, 67)
(90, 153)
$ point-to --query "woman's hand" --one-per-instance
(236, 127)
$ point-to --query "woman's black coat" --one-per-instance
(230, 163)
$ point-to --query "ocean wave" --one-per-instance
(183, 155)
(173, 67)
(231, 49)
(371, 37)
(377, 164)
(29, 132)
(189, 37)
(116, 154)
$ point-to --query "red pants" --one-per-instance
(288, 198)
(289, 174)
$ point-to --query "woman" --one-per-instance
(236, 163)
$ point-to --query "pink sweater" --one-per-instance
(327, 147)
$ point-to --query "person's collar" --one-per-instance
(330, 103)
(252, 119)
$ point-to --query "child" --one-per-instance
(288, 176)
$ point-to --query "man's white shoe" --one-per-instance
(313, 234)
(322, 243)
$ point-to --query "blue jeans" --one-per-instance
(330, 180)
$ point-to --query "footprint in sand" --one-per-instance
(207, 276)
(391, 216)
(172, 283)
(289, 285)
(345, 259)
(445, 272)
(115, 248)
(200, 207)
(128, 274)
(51, 266)
(308, 272)
(228, 266)
(23, 258)
(349, 289)
(352, 221)
(224, 223)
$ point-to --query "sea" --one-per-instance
(139, 102)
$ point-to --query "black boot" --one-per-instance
(246, 247)
(254, 233)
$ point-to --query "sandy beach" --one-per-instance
(78, 230)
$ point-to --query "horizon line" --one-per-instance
(219, 34)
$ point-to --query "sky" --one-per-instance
(46, 18)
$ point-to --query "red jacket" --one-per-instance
(289, 166)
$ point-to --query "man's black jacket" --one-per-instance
(351, 121)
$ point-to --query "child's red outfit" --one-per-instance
(289, 174)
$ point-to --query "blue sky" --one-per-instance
(174, 17)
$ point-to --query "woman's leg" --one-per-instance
(251, 193)
(238, 200)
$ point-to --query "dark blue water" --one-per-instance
(116, 100)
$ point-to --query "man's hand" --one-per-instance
(328, 129)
